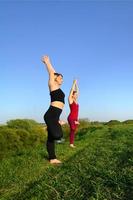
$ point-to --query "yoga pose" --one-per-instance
(52, 115)
(74, 108)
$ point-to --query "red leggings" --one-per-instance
(73, 127)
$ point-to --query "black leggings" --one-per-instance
(54, 129)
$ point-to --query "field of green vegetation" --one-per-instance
(99, 168)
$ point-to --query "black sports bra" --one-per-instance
(57, 95)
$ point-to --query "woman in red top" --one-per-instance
(74, 108)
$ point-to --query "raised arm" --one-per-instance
(77, 88)
(50, 69)
(71, 91)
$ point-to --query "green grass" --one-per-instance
(99, 168)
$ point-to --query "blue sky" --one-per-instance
(88, 40)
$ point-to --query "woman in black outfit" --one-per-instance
(52, 115)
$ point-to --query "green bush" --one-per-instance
(19, 134)
(113, 122)
(84, 123)
(40, 133)
(8, 139)
(23, 136)
(26, 124)
(129, 121)
(29, 129)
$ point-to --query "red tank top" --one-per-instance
(74, 108)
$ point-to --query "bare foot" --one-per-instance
(71, 145)
(55, 161)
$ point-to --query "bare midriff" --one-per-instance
(57, 104)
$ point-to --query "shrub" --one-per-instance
(26, 124)
(113, 122)
(129, 121)
(20, 134)
(8, 139)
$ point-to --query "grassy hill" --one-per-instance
(99, 168)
